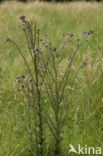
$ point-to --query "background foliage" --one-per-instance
(48, 0)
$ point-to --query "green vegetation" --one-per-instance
(85, 113)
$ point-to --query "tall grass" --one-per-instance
(85, 109)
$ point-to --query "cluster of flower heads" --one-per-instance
(37, 51)
(88, 32)
(43, 41)
(70, 34)
(22, 80)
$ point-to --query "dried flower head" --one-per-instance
(91, 31)
(54, 49)
(23, 76)
(23, 86)
(84, 63)
(70, 34)
(18, 77)
(8, 39)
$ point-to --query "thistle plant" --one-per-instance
(42, 82)
(56, 87)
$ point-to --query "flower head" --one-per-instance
(88, 32)
(18, 77)
(22, 86)
(27, 148)
(41, 39)
(54, 49)
(84, 63)
(22, 18)
(23, 76)
(29, 104)
(31, 47)
(8, 39)
(91, 31)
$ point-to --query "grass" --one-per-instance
(85, 113)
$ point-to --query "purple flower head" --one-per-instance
(22, 18)
(41, 39)
(31, 47)
(88, 32)
(27, 148)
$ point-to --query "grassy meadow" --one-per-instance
(85, 113)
